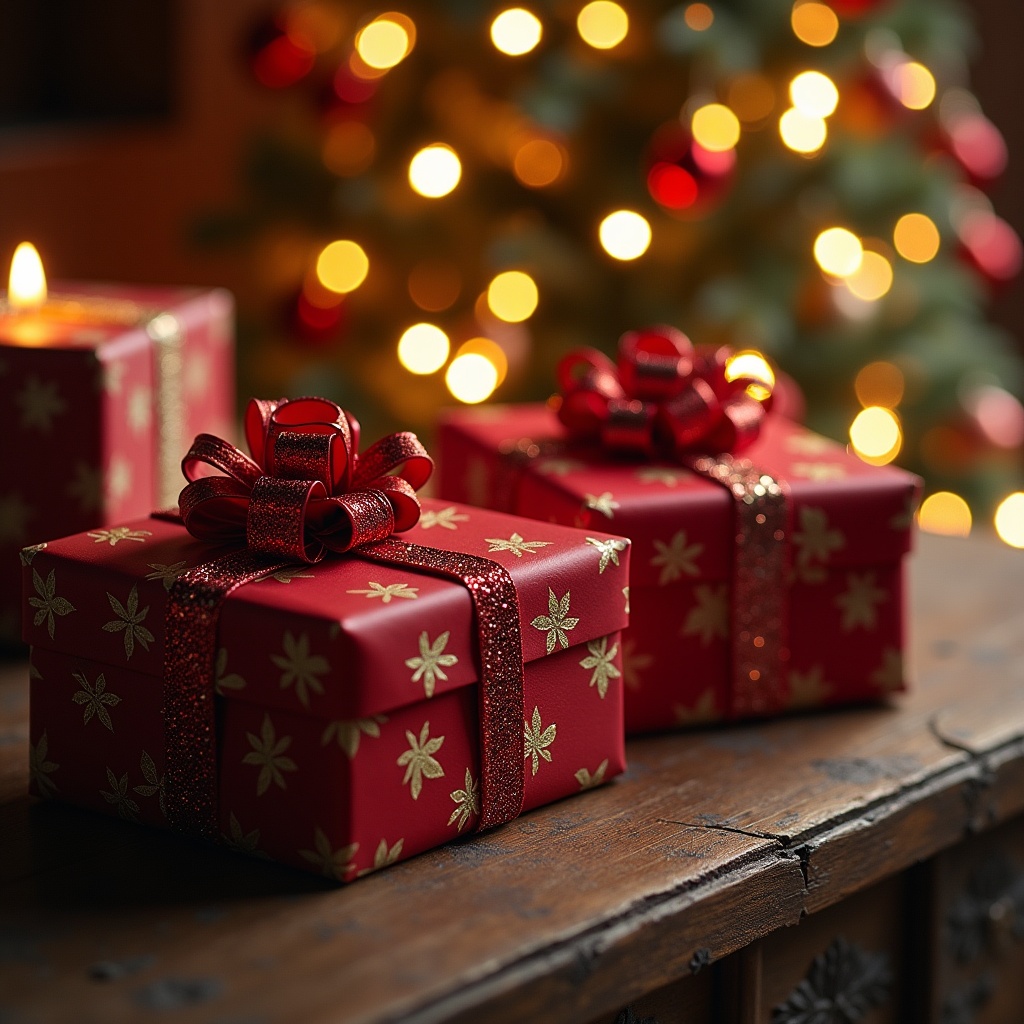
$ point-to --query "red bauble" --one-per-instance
(275, 58)
(682, 176)
(978, 146)
(991, 246)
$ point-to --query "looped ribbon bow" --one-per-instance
(663, 395)
(306, 489)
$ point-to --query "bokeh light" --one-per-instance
(916, 237)
(26, 285)
(538, 162)
(602, 24)
(699, 17)
(801, 133)
(998, 415)
(512, 296)
(945, 513)
(672, 186)
(715, 127)
(875, 435)
(838, 252)
(349, 148)
(880, 383)
(315, 25)
(471, 377)
(1009, 520)
(752, 97)
(434, 285)
(385, 42)
(750, 363)
(872, 279)
(435, 171)
(342, 266)
(516, 31)
(813, 23)
(423, 348)
(912, 84)
(814, 94)
(625, 235)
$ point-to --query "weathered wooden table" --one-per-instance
(800, 871)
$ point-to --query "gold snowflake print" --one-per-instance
(604, 503)
(625, 597)
(536, 740)
(446, 518)
(348, 733)
(331, 863)
(808, 689)
(116, 534)
(700, 714)
(154, 784)
(386, 594)
(431, 661)
(95, 698)
(241, 841)
(516, 545)
(13, 515)
(167, 573)
(301, 667)
(140, 409)
(268, 753)
(661, 475)
(127, 808)
(384, 856)
(287, 575)
(609, 551)
(419, 761)
(46, 602)
(814, 543)
(710, 617)
(87, 487)
(40, 769)
(557, 622)
(119, 478)
(858, 603)
(467, 802)
(818, 471)
(26, 555)
(676, 558)
(558, 467)
(588, 781)
(222, 679)
(889, 675)
(634, 663)
(129, 621)
(809, 444)
(601, 660)
(112, 377)
(33, 671)
(40, 402)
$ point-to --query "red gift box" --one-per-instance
(347, 715)
(102, 410)
(850, 526)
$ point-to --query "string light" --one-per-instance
(699, 17)
(423, 348)
(880, 383)
(471, 377)
(875, 435)
(625, 235)
(516, 31)
(342, 266)
(814, 94)
(538, 162)
(916, 237)
(512, 296)
(602, 24)
(435, 170)
(349, 148)
(801, 133)
(1009, 520)
(715, 127)
(872, 279)
(912, 84)
(752, 364)
(814, 23)
(26, 285)
(945, 513)
(385, 42)
(838, 252)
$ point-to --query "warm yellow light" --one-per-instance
(512, 296)
(914, 85)
(342, 266)
(383, 43)
(813, 23)
(715, 127)
(435, 170)
(26, 287)
(625, 235)
(875, 435)
(1009, 520)
(349, 148)
(879, 383)
(471, 378)
(515, 32)
(946, 513)
(538, 162)
(751, 363)
(838, 252)
(602, 24)
(916, 237)
(801, 133)
(423, 348)
(814, 94)
(491, 351)
(699, 17)
(872, 279)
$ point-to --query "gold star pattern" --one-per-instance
(588, 781)
(154, 783)
(634, 663)
(287, 575)
(808, 689)
(810, 444)
(26, 555)
(676, 558)
(858, 602)
(241, 841)
(268, 754)
(222, 679)
(40, 769)
(604, 503)
(814, 543)
(349, 733)
(609, 551)
(818, 471)
(431, 661)
(197, 374)
(536, 740)
(661, 475)
(709, 618)
(140, 409)
(467, 802)
(86, 487)
(889, 675)
(46, 602)
(119, 478)
(446, 518)
(13, 515)
(384, 856)
(129, 621)
(419, 761)
(332, 863)
(557, 622)
(40, 403)
(95, 698)
(702, 712)
(601, 661)
(301, 667)
(625, 596)
(386, 594)
(558, 467)
(115, 535)
(516, 545)
(166, 572)
(127, 808)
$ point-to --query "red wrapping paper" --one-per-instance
(81, 447)
(348, 721)
(850, 529)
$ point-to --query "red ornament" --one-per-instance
(276, 58)
(978, 146)
(990, 245)
(682, 176)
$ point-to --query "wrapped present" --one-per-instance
(336, 713)
(766, 572)
(105, 389)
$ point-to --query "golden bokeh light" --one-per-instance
(699, 17)
(916, 237)
(471, 377)
(434, 286)
(875, 435)
(384, 43)
(602, 24)
(880, 383)
(813, 23)
(750, 363)
(814, 94)
(516, 31)
(838, 252)
(946, 513)
(1009, 520)
(752, 97)
(913, 84)
(435, 171)
(512, 296)
(26, 285)
(423, 348)
(625, 235)
(715, 127)
(872, 279)
(342, 266)
(491, 351)
(538, 162)
(801, 133)
(349, 148)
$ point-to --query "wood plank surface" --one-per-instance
(709, 842)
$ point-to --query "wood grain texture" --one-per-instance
(710, 842)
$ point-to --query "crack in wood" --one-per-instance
(718, 827)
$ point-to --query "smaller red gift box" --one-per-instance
(347, 719)
(850, 527)
(102, 407)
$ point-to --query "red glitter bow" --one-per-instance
(663, 396)
(306, 489)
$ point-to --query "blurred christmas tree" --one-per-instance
(463, 192)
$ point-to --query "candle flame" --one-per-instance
(26, 289)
